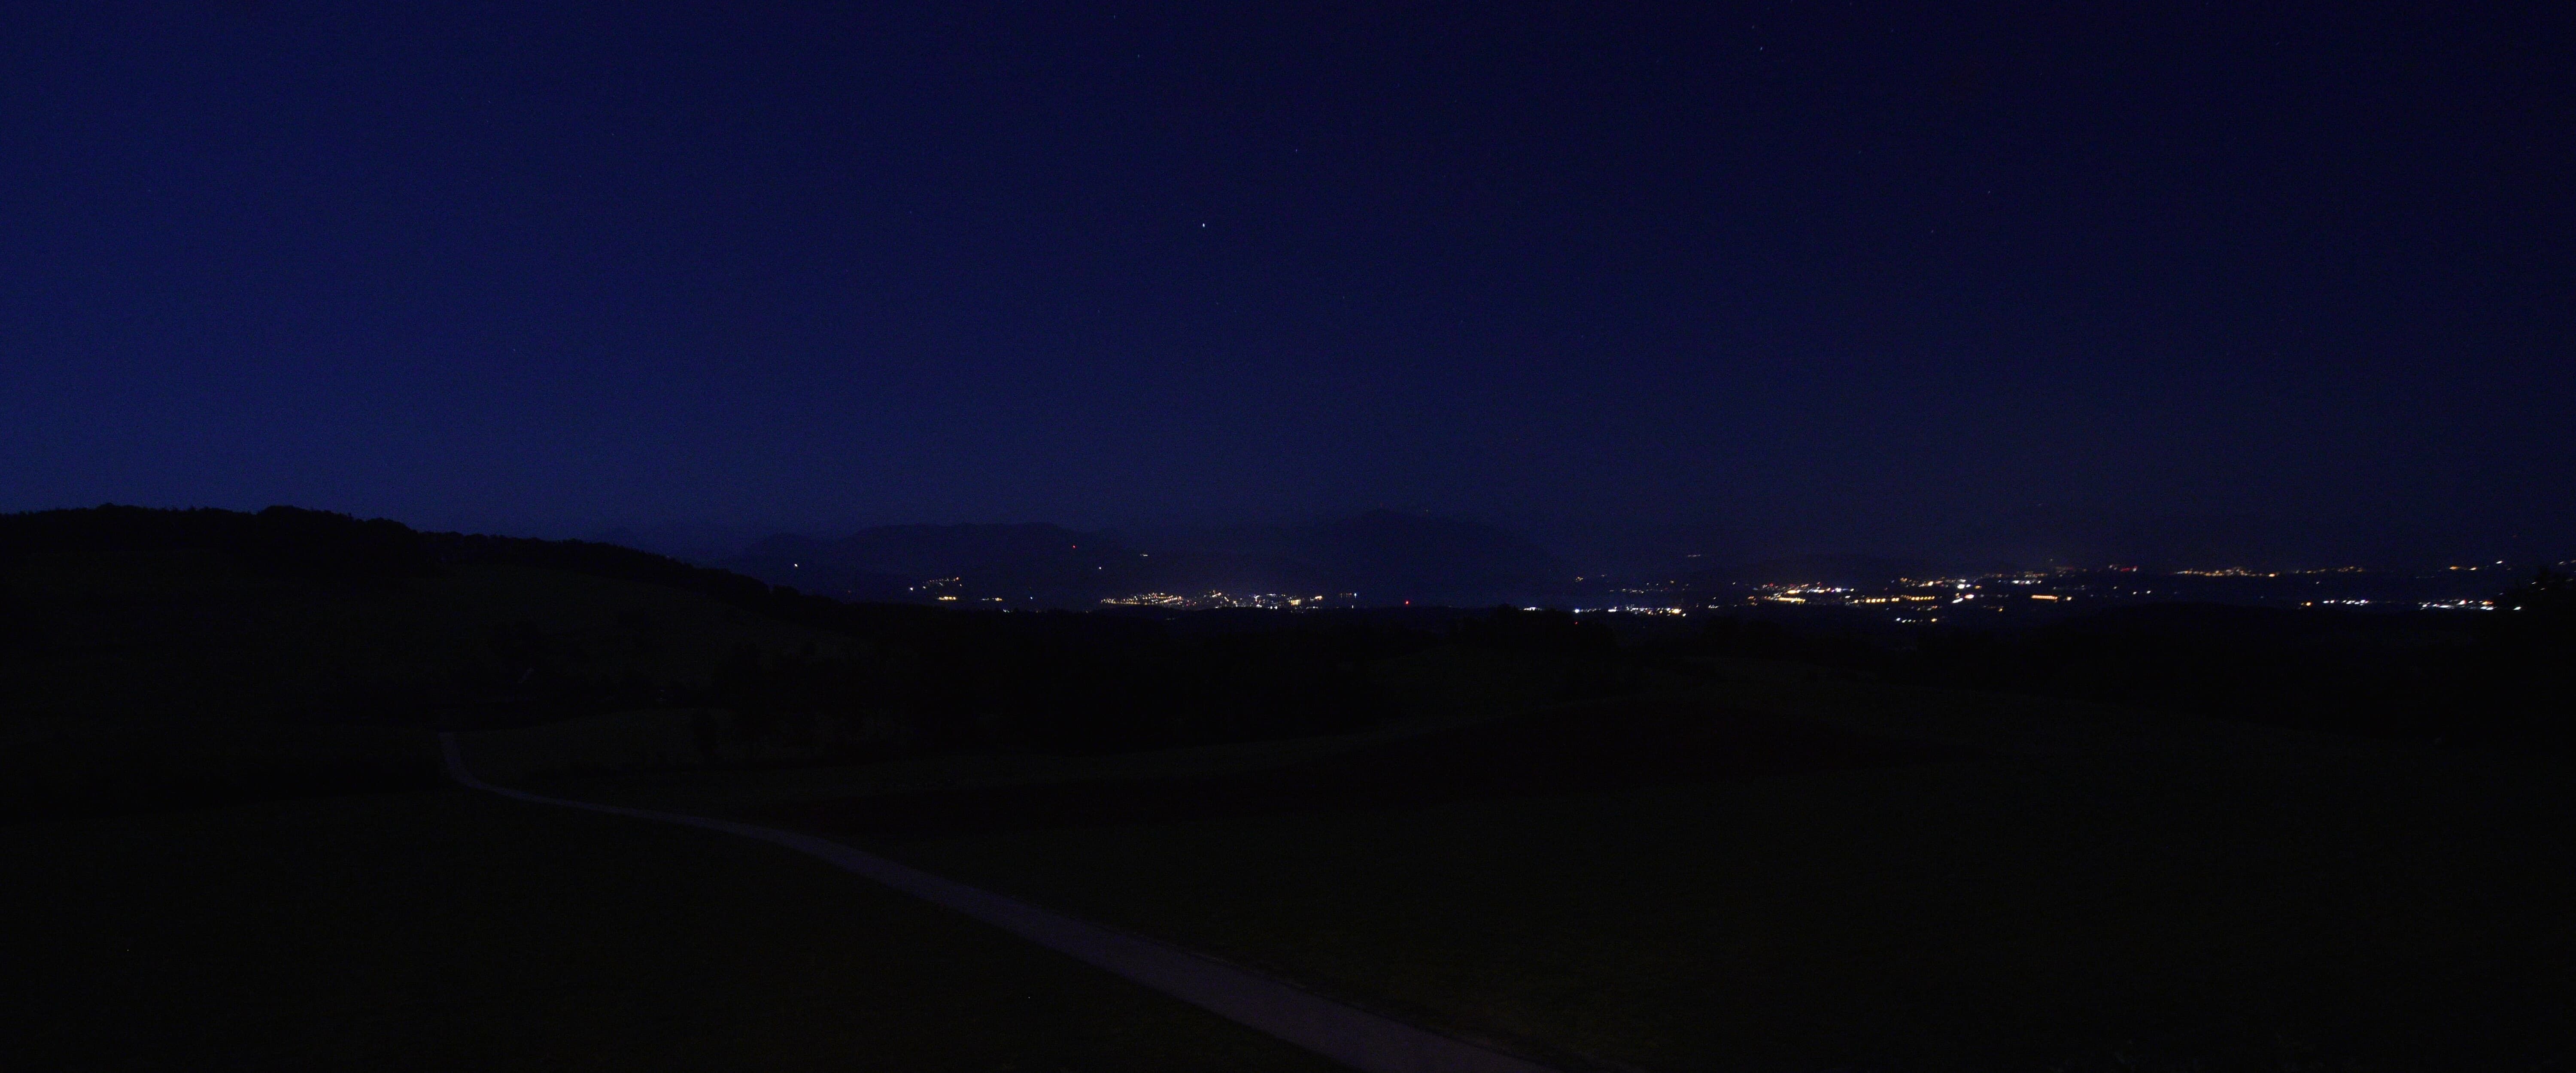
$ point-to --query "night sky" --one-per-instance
(1743, 279)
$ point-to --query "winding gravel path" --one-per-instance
(1355, 1037)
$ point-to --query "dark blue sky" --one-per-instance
(1800, 276)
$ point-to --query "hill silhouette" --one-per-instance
(1827, 569)
(1033, 563)
(159, 657)
(1384, 557)
(152, 658)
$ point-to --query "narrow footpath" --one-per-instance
(1354, 1037)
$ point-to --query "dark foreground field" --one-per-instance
(1767, 874)
(1891, 880)
(1666, 741)
(226, 849)
(447, 930)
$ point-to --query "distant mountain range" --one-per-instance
(1825, 570)
(1045, 564)
(1380, 558)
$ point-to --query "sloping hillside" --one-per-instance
(156, 657)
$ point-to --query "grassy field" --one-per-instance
(447, 930)
(1783, 874)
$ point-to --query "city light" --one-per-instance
(1220, 599)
